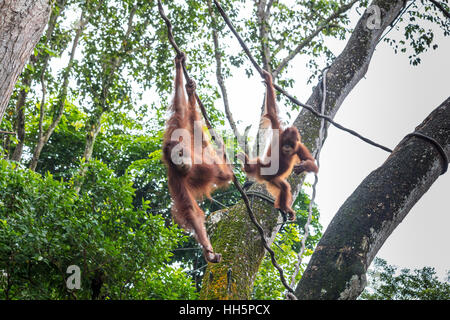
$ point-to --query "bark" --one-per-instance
(342, 77)
(338, 266)
(21, 25)
(242, 251)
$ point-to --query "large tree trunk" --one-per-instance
(337, 269)
(241, 246)
(21, 25)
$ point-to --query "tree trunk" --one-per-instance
(21, 25)
(20, 118)
(27, 79)
(101, 108)
(95, 124)
(342, 77)
(43, 137)
(338, 266)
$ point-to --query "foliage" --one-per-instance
(386, 283)
(416, 23)
(46, 227)
(60, 155)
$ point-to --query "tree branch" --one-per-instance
(308, 39)
(220, 79)
(441, 7)
(245, 257)
(364, 222)
(43, 137)
(268, 7)
(7, 132)
(262, 15)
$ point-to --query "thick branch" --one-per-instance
(308, 39)
(262, 15)
(21, 26)
(20, 117)
(364, 222)
(308, 107)
(344, 74)
(7, 132)
(43, 137)
(269, 7)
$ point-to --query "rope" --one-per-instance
(436, 145)
(235, 181)
(186, 75)
(316, 180)
(218, 202)
(282, 91)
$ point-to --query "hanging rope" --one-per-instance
(235, 181)
(316, 179)
(282, 91)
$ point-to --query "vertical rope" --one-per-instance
(316, 179)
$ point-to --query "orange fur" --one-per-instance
(200, 179)
(276, 183)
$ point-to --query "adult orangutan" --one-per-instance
(194, 169)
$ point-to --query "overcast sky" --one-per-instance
(387, 104)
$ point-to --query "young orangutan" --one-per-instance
(289, 150)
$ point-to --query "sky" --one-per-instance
(389, 102)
